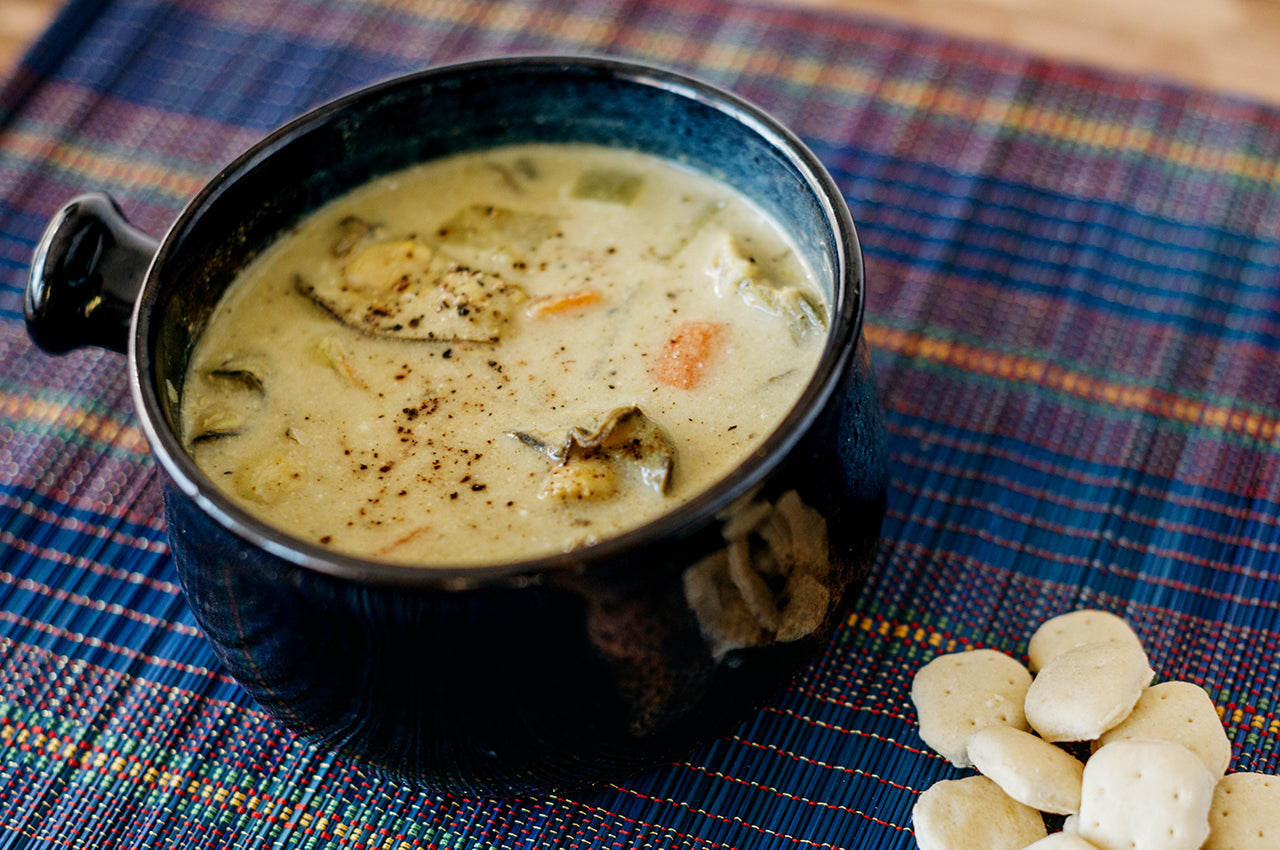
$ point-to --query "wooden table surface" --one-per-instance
(1229, 45)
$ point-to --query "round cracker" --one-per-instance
(973, 814)
(1028, 769)
(1144, 795)
(957, 694)
(1076, 628)
(1180, 712)
(1061, 841)
(1085, 691)
(1245, 814)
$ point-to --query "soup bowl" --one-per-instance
(536, 675)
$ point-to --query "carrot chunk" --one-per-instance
(688, 354)
(564, 302)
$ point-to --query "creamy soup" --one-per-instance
(500, 355)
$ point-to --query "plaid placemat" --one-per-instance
(1075, 319)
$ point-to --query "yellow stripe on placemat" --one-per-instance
(28, 412)
(1254, 425)
(100, 167)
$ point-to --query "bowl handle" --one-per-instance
(85, 275)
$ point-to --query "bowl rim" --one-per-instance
(843, 340)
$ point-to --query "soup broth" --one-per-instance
(500, 355)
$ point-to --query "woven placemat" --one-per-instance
(1075, 317)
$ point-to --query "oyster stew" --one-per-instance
(501, 354)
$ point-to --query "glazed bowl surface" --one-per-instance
(521, 677)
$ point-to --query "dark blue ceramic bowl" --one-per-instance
(517, 677)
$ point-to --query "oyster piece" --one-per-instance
(217, 423)
(733, 272)
(791, 304)
(224, 399)
(405, 289)
(244, 378)
(586, 461)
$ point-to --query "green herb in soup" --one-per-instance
(501, 355)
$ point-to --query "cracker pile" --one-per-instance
(1155, 777)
